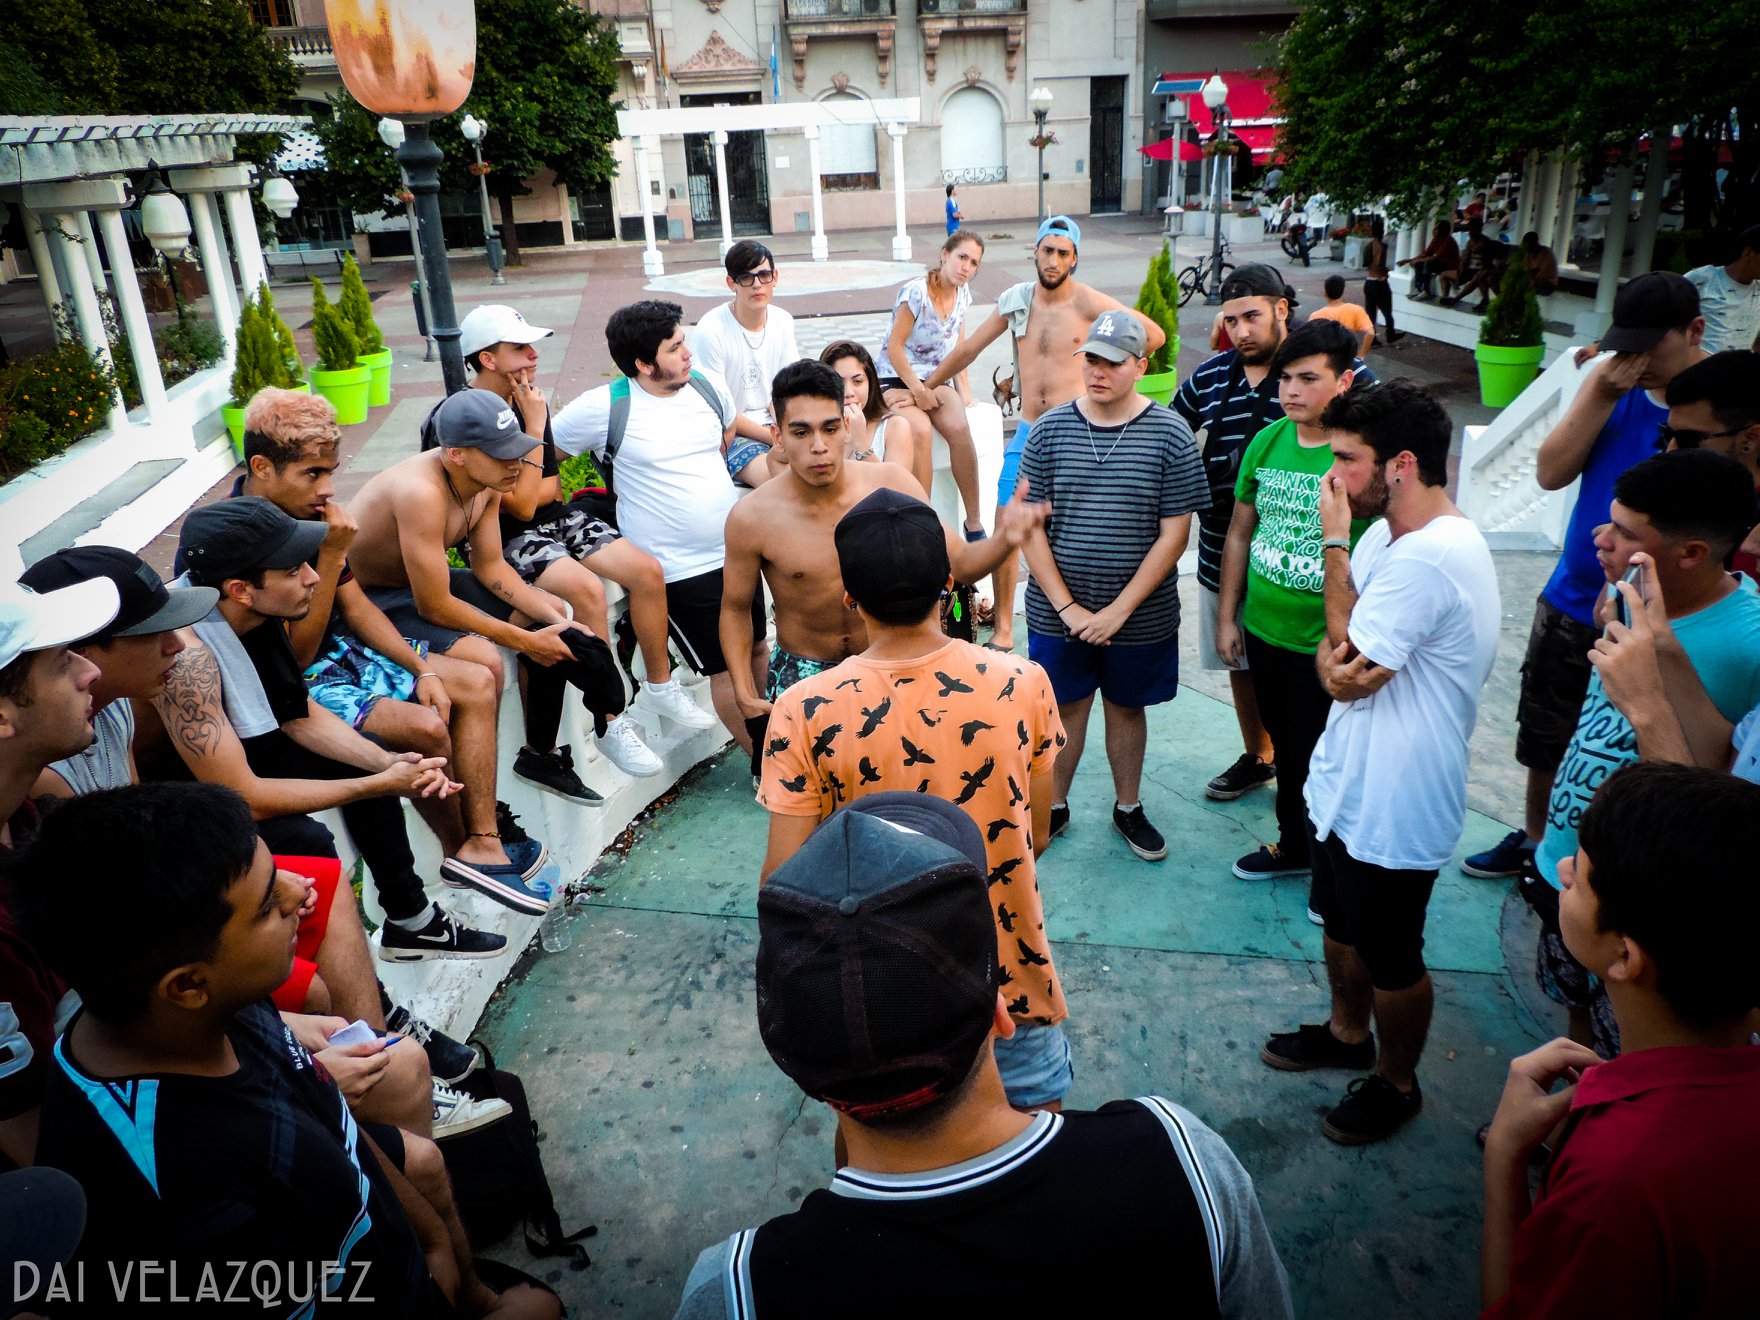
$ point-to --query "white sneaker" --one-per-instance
(624, 747)
(672, 701)
(456, 1113)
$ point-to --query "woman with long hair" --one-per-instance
(876, 433)
(928, 322)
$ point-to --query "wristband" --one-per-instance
(1336, 543)
(1066, 606)
(426, 673)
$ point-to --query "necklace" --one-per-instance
(753, 344)
(453, 491)
(1096, 448)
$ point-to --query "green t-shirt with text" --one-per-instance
(1286, 567)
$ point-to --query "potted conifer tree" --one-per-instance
(293, 372)
(339, 375)
(256, 364)
(357, 305)
(1511, 338)
(1155, 301)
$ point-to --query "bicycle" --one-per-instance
(1194, 277)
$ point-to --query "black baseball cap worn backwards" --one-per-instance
(238, 537)
(148, 605)
(892, 550)
(877, 956)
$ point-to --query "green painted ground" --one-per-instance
(668, 1125)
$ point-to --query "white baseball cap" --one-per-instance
(496, 323)
(39, 621)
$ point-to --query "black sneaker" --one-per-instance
(1059, 820)
(1312, 1045)
(1269, 863)
(449, 1060)
(1144, 839)
(1373, 1109)
(554, 772)
(1394, 336)
(1247, 773)
(440, 938)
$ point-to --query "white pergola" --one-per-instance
(69, 176)
(646, 127)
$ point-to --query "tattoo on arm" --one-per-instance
(190, 705)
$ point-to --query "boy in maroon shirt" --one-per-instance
(1648, 1207)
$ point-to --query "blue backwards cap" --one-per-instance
(1061, 225)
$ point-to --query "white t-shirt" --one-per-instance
(744, 363)
(1731, 310)
(1389, 775)
(931, 338)
(673, 491)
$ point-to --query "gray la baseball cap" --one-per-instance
(481, 419)
(1116, 336)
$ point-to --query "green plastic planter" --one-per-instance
(1505, 372)
(347, 392)
(233, 416)
(1160, 385)
(379, 392)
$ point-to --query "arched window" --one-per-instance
(971, 138)
(847, 159)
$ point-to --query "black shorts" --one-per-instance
(693, 614)
(888, 383)
(1378, 912)
(399, 605)
(388, 1139)
(1555, 679)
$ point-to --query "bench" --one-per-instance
(293, 265)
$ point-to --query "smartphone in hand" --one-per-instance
(1634, 575)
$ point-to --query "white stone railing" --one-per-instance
(1498, 489)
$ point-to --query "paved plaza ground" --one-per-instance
(666, 1123)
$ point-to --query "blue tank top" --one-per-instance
(1628, 438)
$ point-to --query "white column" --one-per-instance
(721, 189)
(821, 248)
(47, 280)
(133, 312)
(85, 306)
(562, 200)
(1546, 199)
(652, 262)
(1650, 210)
(243, 223)
(1525, 204)
(1613, 248)
(88, 246)
(216, 264)
(901, 241)
(1563, 224)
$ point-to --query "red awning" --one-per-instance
(1249, 109)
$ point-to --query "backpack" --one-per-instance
(498, 1178)
(619, 420)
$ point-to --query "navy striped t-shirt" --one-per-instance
(1109, 488)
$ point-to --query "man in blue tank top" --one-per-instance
(1614, 423)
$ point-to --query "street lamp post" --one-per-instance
(391, 133)
(474, 131)
(414, 60)
(1040, 101)
(1216, 97)
(1176, 120)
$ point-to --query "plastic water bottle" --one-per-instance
(556, 930)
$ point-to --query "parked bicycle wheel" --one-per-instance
(1191, 279)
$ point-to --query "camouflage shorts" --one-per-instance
(575, 535)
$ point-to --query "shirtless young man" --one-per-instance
(410, 513)
(1049, 320)
(783, 530)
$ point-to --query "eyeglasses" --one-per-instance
(751, 277)
(1687, 438)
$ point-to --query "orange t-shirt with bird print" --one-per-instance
(970, 725)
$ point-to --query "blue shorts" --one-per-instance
(1035, 1066)
(1141, 675)
(1011, 462)
(351, 678)
(741, 455)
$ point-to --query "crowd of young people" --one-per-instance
(181, 1065)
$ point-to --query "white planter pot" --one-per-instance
(1243, 228)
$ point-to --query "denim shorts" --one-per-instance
(1011, 463)
(1035, 1065)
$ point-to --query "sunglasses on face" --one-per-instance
(751, 277)
(1688, 438)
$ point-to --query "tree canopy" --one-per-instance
(546, 84)
(1403, 98)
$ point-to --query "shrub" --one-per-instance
(256, 359)
(49, 401)
(1153, 303)
(1513, 320)
(338, 348)
(357, 306)
(186, 346)
(293, 371)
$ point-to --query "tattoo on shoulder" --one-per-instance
(190, 703)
